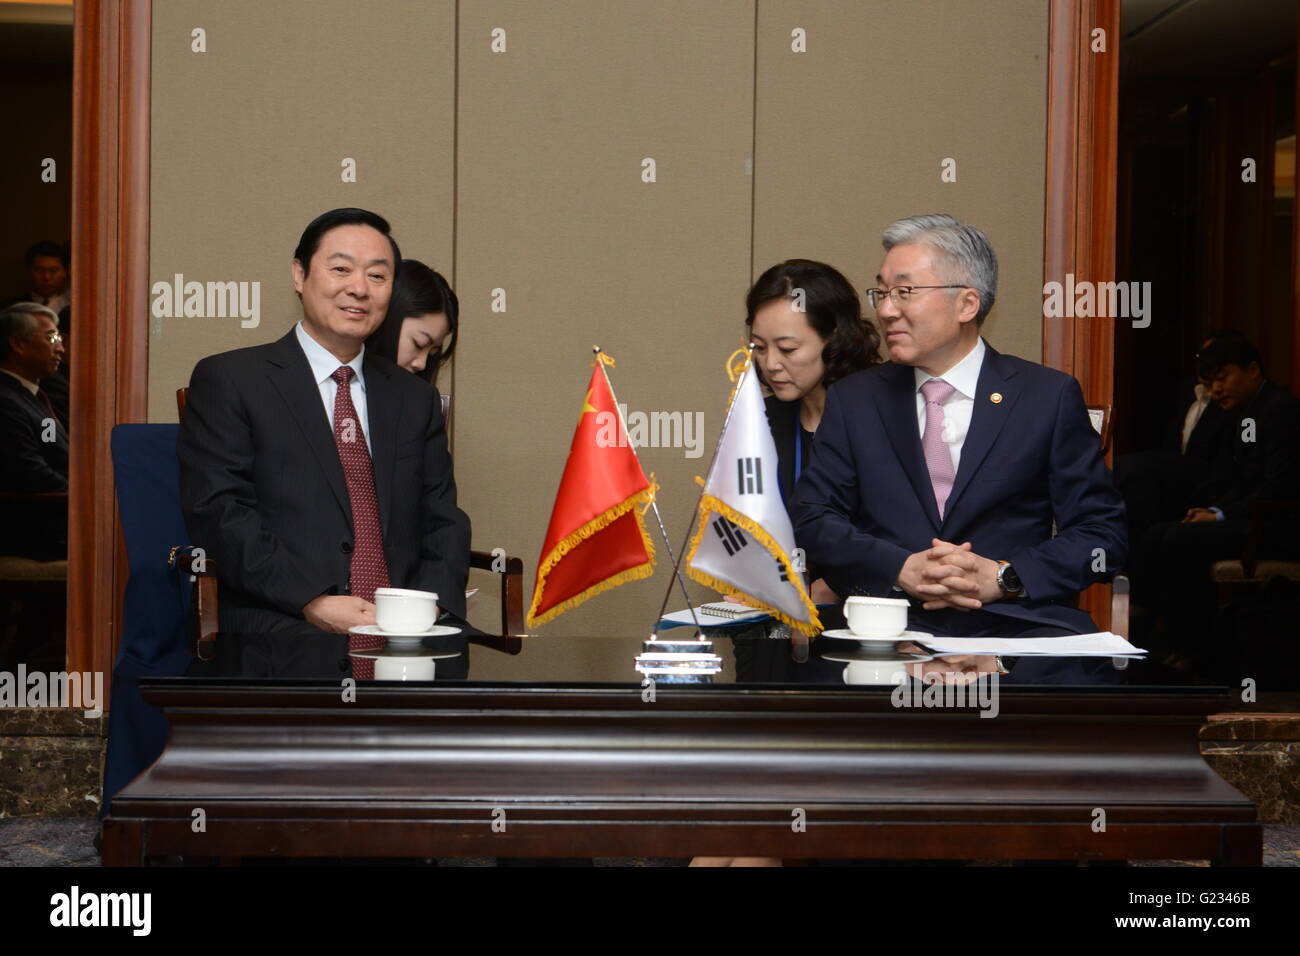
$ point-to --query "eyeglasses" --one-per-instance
(901, 294)
(54, 338)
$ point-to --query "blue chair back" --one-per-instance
(154, 641)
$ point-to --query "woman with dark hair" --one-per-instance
(419, 332)
(805, 322)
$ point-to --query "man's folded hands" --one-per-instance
(950, 575)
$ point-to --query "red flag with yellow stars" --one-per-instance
(596, 539)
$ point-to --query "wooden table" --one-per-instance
(274, 768)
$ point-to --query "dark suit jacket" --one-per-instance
(1268, 465)
(866, 502)
(263, 490)
(28, 465)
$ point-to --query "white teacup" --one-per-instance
(874, 617)
(404, 668)
(403, 611)
(873, 672)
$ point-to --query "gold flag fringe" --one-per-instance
(571, 541)
(709, 503)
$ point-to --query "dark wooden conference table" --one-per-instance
(268, 757)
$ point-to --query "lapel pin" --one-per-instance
(995, 397)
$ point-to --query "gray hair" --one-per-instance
(963, 252)
(19, 320)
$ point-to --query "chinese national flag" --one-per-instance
(596, 539)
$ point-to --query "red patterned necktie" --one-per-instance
(44, 399)
(369, 569)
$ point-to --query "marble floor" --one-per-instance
(38, 841)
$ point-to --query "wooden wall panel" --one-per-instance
(552, 209)
(250, 139)
(853, 134)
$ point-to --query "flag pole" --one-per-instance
(654, 503)
(749, 361)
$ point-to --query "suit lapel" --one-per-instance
(291, 376)
(383, 408)
(987, 419)
(36, 407)
(899, 419)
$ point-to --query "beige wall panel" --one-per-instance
(248, 141)
(552, 209)
(851, 135)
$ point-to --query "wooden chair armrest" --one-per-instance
(1120, 587)
(511, 598)
(182, 558)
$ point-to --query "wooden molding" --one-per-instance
(1080, 200)
(1079, 227)
(110, 242)
(1295, 251)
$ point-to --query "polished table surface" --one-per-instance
(775, 757)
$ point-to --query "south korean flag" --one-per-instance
(743, 540)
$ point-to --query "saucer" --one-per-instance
(844, 634)
(876, 655)
(409, 640)
(404, 654)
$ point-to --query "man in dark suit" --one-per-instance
(46, 266)
(969, 481)
(35, 457)
(313, 472)
(1260, 452)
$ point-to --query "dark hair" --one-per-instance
(46, 248)
(1228, 350)
(418, 291)
(347, 216)
(833, 308)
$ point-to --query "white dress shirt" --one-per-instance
(964, 378)
(323, 366)
(1194, 413)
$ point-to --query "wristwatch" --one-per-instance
(1008, 580)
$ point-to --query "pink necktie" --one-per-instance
(369, 568)
(938, 456)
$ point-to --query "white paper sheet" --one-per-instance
(1101, 644)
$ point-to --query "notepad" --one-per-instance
(719, 614)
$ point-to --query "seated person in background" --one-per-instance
(46, 267)
(1158, 484)
(419, 333)
(1261, 450)
(939, 474)
(276, 451)
(805, 321)
(35, 457)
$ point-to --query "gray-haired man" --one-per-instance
(35, 442)
(939, 474)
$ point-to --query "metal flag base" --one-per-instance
(685, 661)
